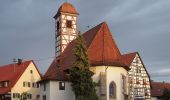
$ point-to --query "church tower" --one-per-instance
(65, 27)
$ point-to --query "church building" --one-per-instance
(120, 76)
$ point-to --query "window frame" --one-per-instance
(31, 71)
(61, 85)
(112, 90)
(44, 87)
(69, 24)
(44, 97)
(29, 84)
(58, 25)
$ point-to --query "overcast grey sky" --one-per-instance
(27, 29)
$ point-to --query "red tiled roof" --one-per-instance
(128, 58)
(11, 73)
(66, 8)
(101, 50)
(158, 88)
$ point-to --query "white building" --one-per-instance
(113, 71)
(18, 78)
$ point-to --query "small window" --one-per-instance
(33, 84)
(14, 95)
(44, 97)
(29, 85)
(112, 90)
(58, 25)
(24, 84)
(1, 84)
(44, 86)
(29, 96)
(69, 24)
(31, 71)
(38, 97)
(62, 85)
(38, 85)
(18, 95)
(6, 83)
(124, 82)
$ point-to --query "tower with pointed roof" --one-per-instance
(65, 27)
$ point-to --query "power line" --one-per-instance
(40, 59)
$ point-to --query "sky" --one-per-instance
(27, 29)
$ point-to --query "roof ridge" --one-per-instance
(129, 53)
(92, 28)
(14, 63)
(106, 26)
(100, 26)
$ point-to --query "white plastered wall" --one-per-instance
(27, 76)
(112, 74)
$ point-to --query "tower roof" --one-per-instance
(67, 8)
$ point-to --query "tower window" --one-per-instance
(69, 24)
(58, 25)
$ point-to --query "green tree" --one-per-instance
(23, 96)
(166, 94)
(80, 75)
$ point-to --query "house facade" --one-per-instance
(19, 78)
(120, 76)
(139, 79)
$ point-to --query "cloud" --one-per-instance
(161, 73)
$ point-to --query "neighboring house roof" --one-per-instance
(12, 73)
(158, 88)
(101, 50)
(66, 8)
(128, 58)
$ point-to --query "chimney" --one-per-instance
(19, 61)
(14, 60)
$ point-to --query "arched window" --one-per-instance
(112, 90)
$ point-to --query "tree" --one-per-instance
(166, 94)
(23, 96)
(80, 75)
(80, 54)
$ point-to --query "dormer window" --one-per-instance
(1, 84)
(69, 24)
(4, 84)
